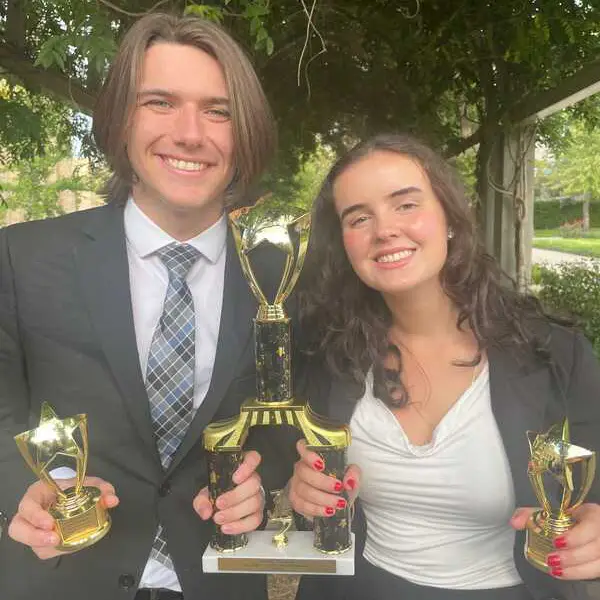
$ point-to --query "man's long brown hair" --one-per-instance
(253, 125)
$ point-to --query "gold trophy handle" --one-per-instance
(588, 471)
(246, 269)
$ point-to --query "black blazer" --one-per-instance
(527, 393)
(67, 336)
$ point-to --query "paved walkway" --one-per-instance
(552, 257)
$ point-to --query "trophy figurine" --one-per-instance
(325, 550)
(552, 454)
(80, 518)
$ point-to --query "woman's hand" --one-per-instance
(577, 552)
(312, 493)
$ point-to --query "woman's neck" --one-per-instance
(423, 313)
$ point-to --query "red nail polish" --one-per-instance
(329, 511)
(560, 542)
(341, 503)
(556, 572)
(553, 560)
(351, 483)
(337, 486)
(318, 464)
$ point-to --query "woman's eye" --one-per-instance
(357, 221)
(406, 206)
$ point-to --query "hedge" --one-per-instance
(551, 214)
(573, 290)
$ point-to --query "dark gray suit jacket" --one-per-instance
(528, 394)
(67, 336)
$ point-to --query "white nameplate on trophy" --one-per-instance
(261, 556)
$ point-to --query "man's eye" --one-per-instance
(158, 103)
(219, 114)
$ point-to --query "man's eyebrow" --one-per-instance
(208, 101)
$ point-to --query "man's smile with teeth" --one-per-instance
(395, 256)
(185, 165)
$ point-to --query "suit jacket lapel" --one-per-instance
(238, 309)
(104, 274)
(519, 393)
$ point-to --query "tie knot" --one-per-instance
(178, 258)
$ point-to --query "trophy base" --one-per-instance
(80, 520)
(539, 543)
(299, 557)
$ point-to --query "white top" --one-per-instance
(437, 515)
(149, 280)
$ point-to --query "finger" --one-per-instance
(351, 481)
(307, 475)
(203, 505)
(574, 556)
(521, 516)
(312, 459)
(24, 532)
(109, 496)
(47, 553)
(245, 525)
(240, 511)
(311, 509)
(588, 570)
(249, 465)
(240, 493)
(585, 531)
(32, 507)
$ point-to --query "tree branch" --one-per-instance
(52, 82)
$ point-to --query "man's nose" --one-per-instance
(189, 126)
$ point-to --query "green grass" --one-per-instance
(594, 232)
(585, 246)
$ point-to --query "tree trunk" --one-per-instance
(586, 212)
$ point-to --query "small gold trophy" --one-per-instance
(80, 518)
(276, 405)
(553, 454)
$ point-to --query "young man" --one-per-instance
(103, 312)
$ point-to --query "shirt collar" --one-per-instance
(146, 237)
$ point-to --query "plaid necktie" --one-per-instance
(170, 370)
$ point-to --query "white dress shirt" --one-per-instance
(438, 514)
(149, 280)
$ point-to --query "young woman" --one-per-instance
(441, 368)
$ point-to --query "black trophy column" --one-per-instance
(332, 534)
(221, 467)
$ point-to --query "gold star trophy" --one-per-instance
(325, 550)
(553, 455)
(79, 516)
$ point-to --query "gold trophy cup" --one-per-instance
(80, 518)
(275, 405)
(553, 455)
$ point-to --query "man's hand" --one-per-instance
(577, 551)
(239, 510)
(33, 525)
(314, 494)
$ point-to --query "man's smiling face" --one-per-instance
(180, 142)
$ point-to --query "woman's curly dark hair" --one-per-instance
(348, 322)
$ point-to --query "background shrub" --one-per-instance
(573, 290)
(551, 214)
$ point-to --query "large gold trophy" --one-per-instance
(80, 518)
(553, 455)
(275, 405)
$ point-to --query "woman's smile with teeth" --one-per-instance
(185, 165)
(386, 258)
